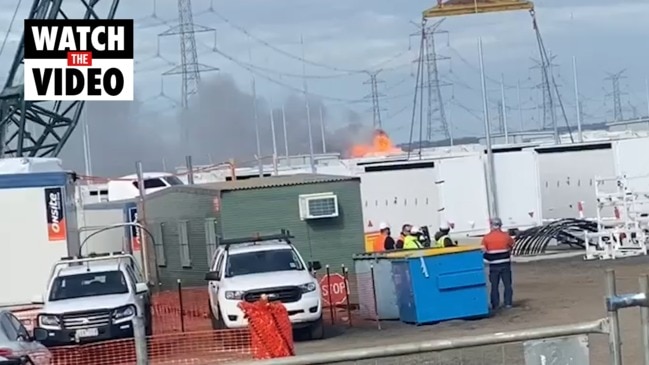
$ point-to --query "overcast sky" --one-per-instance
(605, 36)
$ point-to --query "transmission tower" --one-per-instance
(433, 85)
(35, 128)
(189, 67)
(375, 96)
(435, 102)
(616, 93)
(546, 67)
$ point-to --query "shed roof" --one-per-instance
(275, 181)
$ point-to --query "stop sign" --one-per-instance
(334, 289)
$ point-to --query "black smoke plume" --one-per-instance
(218, 126)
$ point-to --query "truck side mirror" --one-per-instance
(38, 299)
(314, 265)
(141, 288)
(213, 276)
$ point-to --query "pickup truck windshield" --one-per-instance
(262, 261)
(88, 285)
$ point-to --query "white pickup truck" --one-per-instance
(243, 269)
(91, 299)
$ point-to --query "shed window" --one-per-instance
(210, 237)
(183, 242)
(158, 244)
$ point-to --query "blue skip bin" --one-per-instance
(441, 285)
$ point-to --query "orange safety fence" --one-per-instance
(271, 331)
(186, 310)
(182, 325)
(348, 298)
(196, 348)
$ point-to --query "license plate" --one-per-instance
(88, 332)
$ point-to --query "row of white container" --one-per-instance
(533, 183)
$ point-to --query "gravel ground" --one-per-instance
(553, 292)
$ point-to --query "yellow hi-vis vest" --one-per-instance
(440, 242)
(411, 243)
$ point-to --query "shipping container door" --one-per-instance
(400, 196)
(632, 160)
(463, 194)
(518, 190)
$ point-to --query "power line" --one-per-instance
(344, 71)
(476, 68)
(279, 50)
(282, 84)
(316, 76)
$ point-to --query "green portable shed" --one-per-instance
(323, 212)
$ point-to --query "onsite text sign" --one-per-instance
(55, 214)
(78, 59)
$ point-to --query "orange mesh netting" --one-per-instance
(271, 332)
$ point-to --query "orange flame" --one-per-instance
(381, 146)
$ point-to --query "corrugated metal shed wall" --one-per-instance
(167, 209)
(330, 240)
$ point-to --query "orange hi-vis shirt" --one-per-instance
(378, 244)
(497, 246)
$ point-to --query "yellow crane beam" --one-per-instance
(465, 7)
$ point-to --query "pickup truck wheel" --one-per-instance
(148, 327)
(217, 323)
(316, 330)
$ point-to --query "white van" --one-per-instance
(126, 187)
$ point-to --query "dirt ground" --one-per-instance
(546, 293)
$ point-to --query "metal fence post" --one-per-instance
(347, 299)
(331, 304)
(181, 305)
(374, 299)
(644, 317)
(614, 338)
(139, 335)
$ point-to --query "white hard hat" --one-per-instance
(443, 226)
(383, 225)
(414, 229)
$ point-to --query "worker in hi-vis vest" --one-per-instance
(386, 242)
(442, 238)
(411, 242)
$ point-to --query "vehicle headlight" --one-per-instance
(49, 320)
(234, 294)
(123, 313)
(308, 287)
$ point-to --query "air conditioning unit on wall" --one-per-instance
(316, 206)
